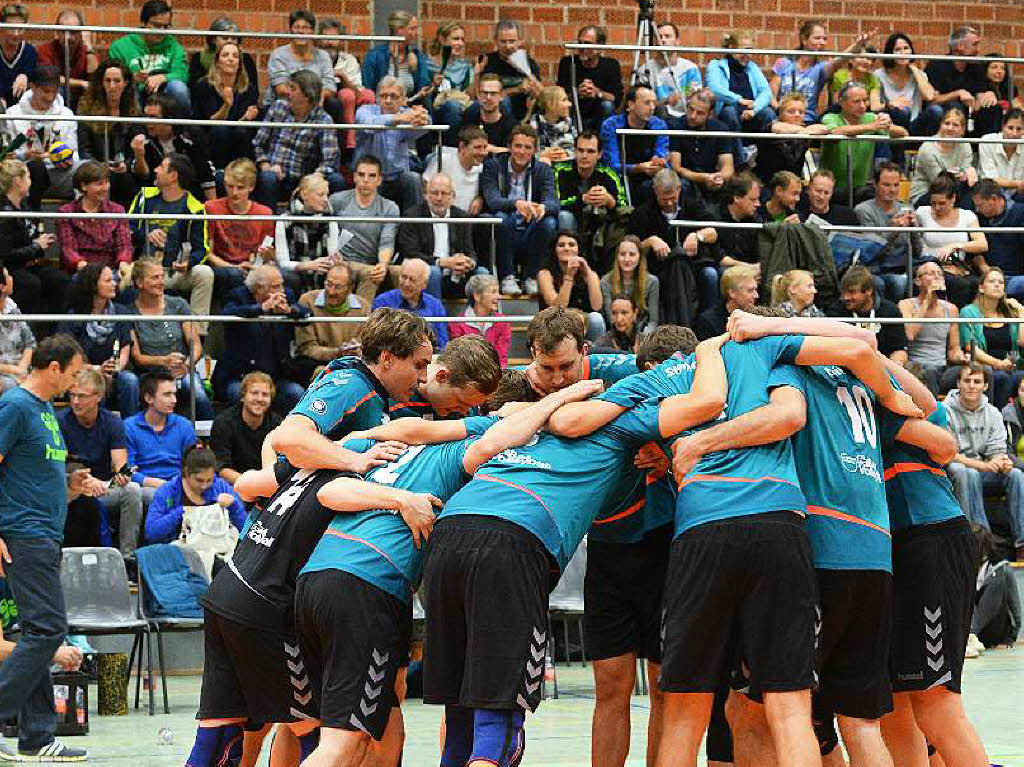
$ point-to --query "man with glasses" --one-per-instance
(157, 61)
(491, 114)
(17, 58)
(597, 79)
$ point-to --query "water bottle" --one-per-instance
(165, 736)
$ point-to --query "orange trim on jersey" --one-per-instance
(622, 514)
(401, 405)
(717, 478)
(537, 498)
(367, 397)
(824, 512)
(348, 537)
(907, 467)
(585, 369)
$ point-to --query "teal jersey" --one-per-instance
(839, 459)
(660, 495)
(345, 397)
(610, 368)
(918, 490)
(418, 406)
(673, 376)
(621, 518)
(554, 487)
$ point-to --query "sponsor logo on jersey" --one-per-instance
(860, 464)
(520, 459)
(318, 406)
(258, 534)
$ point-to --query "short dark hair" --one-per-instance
(857, 278)
(524, 129)
(668, 24)
(301, 14)
(168, 106)
(632, 91)
(89, 172)
(153, 8)
(197, 458)
(661, 343)
(551, 326)
(886, 167)
(945, 184)
(783, 179)
(471, 361)
(974, 367)
(328, 23)
(394, 331)
(987, 188)
(368, 159)
(739, 185)
(151, 382)
(514, 386)
(1011, 114)
(600, 33)
(590, 136)
(182, 165)
(45, 76)
(471, 133)
(60, 348)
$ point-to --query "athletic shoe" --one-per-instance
(530, 286)
(976, 644)
(749, 155)
(54, 752)
(510, 287)
(8, 754)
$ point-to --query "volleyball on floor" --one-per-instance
(61, 154)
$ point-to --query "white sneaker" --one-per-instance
(54, 752)
(530, 286)
(9, 754)
(510, 287)
(749, 155)
(975, 644)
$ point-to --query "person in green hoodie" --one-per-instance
(156, 60)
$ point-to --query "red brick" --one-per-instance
(827, 8)
(715, 20)
(484, 13)
(780, 23)
(732, 5)
(446, 11)
(800, 7)
(950, 11)
(763, 6)
(997, 31)
(619, 17)
(747, 22)
(550, 14)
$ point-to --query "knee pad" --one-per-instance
(219, 746)
(498, 736)
(458, 736)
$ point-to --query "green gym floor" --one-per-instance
(559, 734)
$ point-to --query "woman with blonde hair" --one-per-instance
(227, 93)
(628, 276)
(551, 116)
(793, 292)
(453, 80)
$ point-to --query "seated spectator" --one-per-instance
(981, 463)
(959, 250)
(285, 155)
(163, 140)
(404, 60)
(1013, 418)
(995, 80)
(858, 69)
(195, 485)
(227, 93)
(741, 204)
(854, 120)
(934, 157)
(788, 153)
(96, 438)
(446, 248)
(704, 164)
(519, 73)
(463, 167)
(321, 342)
(1004, 250)
(176, 347)
(411, 296)
(596, 79)
(157, 438)
(629, 277)
(347, 75)
(399, 183)
(106, 345)
(38, 287)
(857, 289)
(238, 432)
(70, 48)
(49, 177)
(453, 81)
(908, 95)
(739, 291)
(297, 55)
(521, 191)
(110, 95)
(86, 241)
(566, 279)
(793, 292)
(490, 113)
(807, 73)
(1002, 162)
(482, 292)
(16, 339)
(885, 209)
(224, 31)
(306, 249)
(644, 155)
(237, 246)
(785, 189)
(819, 201)
(743, 98)
(180, 245)
(672, 76)
(264, 346)
(552, 119)
(933, 346)
(157, 61)
(18, 59)
(372, 246)
(993, 343)
(623, 332)
(961, 81)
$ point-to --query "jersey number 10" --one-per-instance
(861, 412)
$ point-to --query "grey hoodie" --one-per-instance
(980, 433)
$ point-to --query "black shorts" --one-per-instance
(248, 672)
(934, 569)
(743, 588)
(485, 592)
(354, 637)
(622, 596)
(853, 647)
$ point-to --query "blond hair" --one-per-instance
(734, 275)
(639, 276)
(242, 171)
(10, 170)
(241, 83)
(782, 282)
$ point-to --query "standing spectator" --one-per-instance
(297, 55)
(885, 209)
(596, 79)
(934, 157)
(402, 60)
(163, 140)
(285, 155)
(33, 508)
(551, 117)
(908, 95)
(17, 58)
(1003, 162)
(70, 48)
(739, 291)
(703, 164)
(482, 292)
(306, 249)
(741, 204)
(491, 114)
(320, 342)
(411, 296)
(519, 73)
(157, 61)
(238, 432)
(224, 31)
(110, 94)
(93, 241)
(933, 346)
(106, 345)
(1004, 250)
(566, 279)
(181, 245)
(644, 155)
(623, 331)
(788, 153)
(157, 437)
(991, 342)
(351, 94)
(453, 82)
(785, 189)
(793, 292)
(96, 438)
(38, 287)
(236, 246)
(629, 277)
(446, 248)
(48, 175)
(227, 93)
(372, 246)
(463, 167)
(258, 345)
(981, 462)
(858, 295)
(961, 81)
(672, 76)
(171, 345)
(520, 190)
(819, 201)
(16, 340)
(399, 183)
(743, 98)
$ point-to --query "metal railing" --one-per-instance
(184, 32)
(693, 224)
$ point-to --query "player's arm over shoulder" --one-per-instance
(934, 440)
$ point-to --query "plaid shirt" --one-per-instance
(105, 241)
(390, 146)
(298, 151)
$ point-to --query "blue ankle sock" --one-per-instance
(308, 743)
(458, 737)
(216, 747)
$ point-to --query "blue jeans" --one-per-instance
(178, 91)
(761, 122)
(287, 395)
(892, 284)
(126, 393)
(522, 244)
(437, 280)
(405, 190)
(970, 487)
(1015, 287)
(26, 688)
(204, 408)
(596, 326)
(271, 190)
(227, 144)
(566, 221)
(226, 279)
(707, 286)
(450, 114)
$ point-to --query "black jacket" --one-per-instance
(648, 221)
(192, 145)
(417, 240)
(16, 238)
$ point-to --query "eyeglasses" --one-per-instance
(82, 395)
(336, 285)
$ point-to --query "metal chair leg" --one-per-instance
(149, 670)
(565, 628)
(583, 651)
(163, 669)
(138, 672)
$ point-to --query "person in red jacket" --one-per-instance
(482, 292)
(238, 246)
